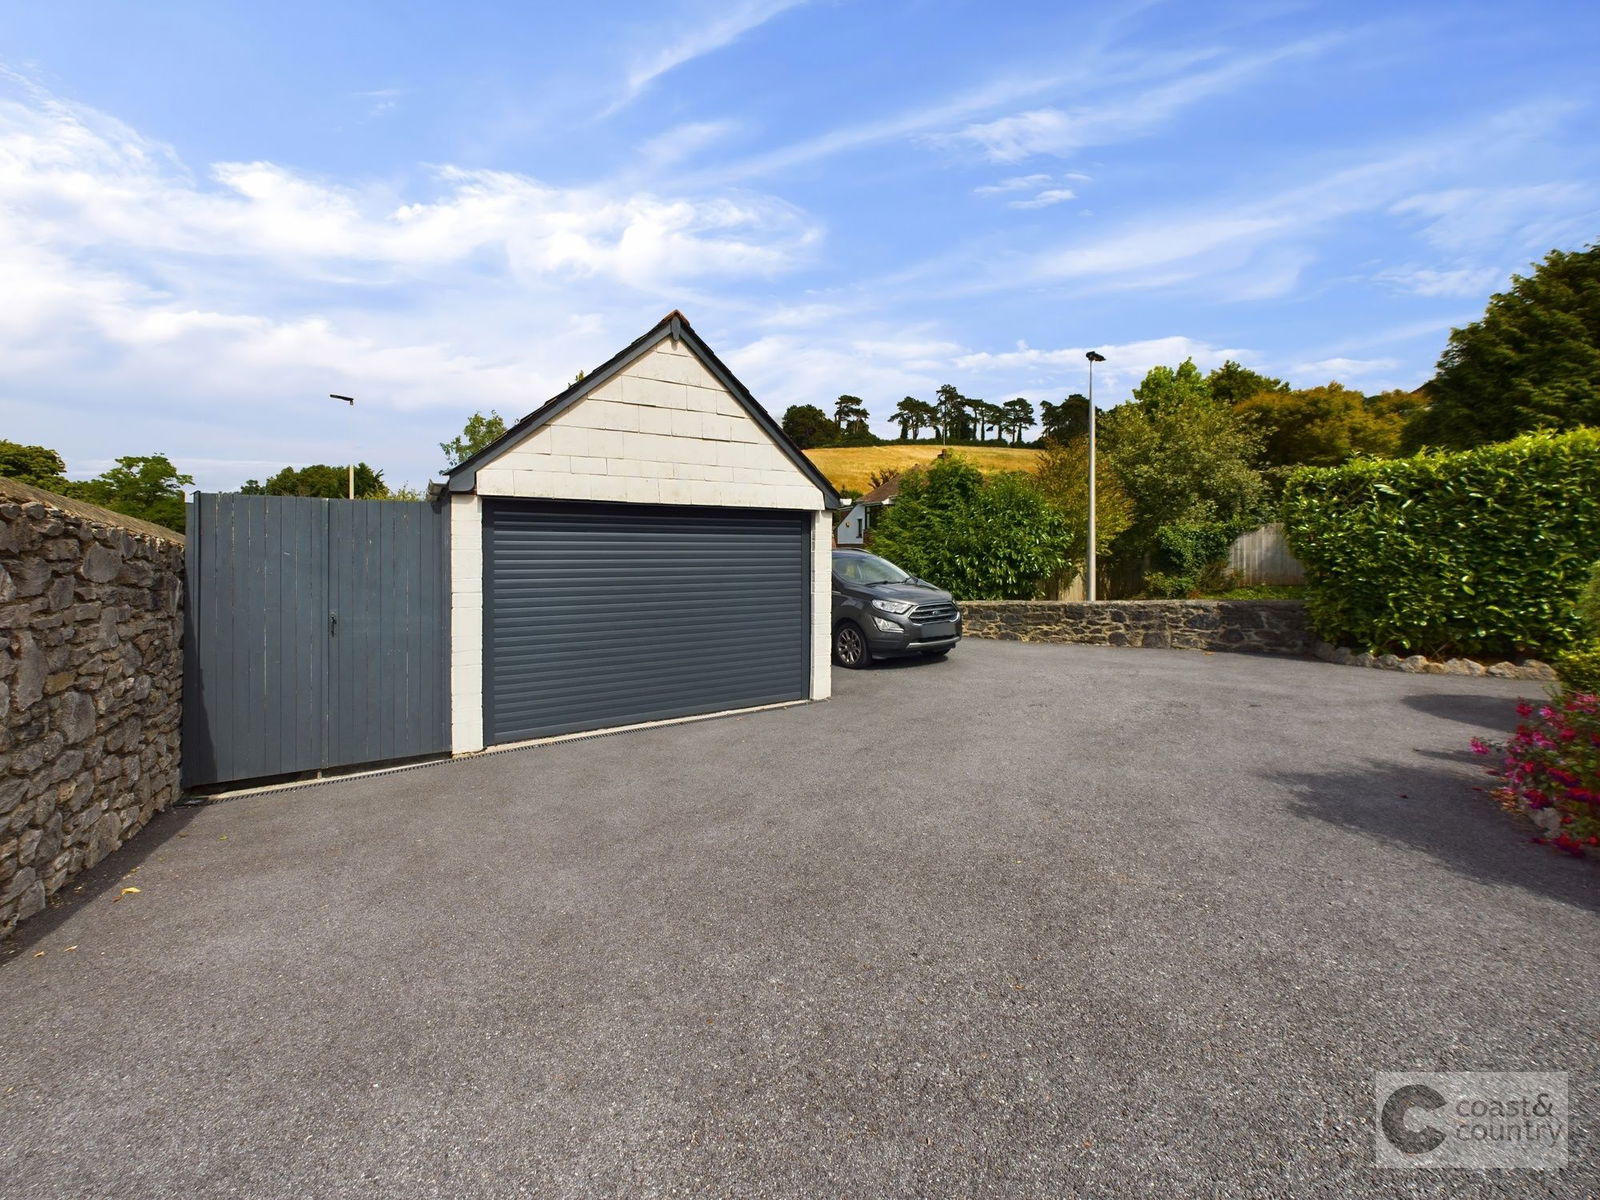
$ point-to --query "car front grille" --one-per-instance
(923, 614)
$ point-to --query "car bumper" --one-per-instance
(908, 639)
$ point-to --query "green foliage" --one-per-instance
(1580, 671)
(850, 414)
(1016, 416)
(148, 487)
(808, 427)
(37, 466)
(913, 416)
(952, 413)
(1484, 551)
(1172, 387)
(991, 538)
(1320, 427)
(321, 480)
(1062, 476)
(1230, 383)
(479, 431)
(1580, 668)
(1588, 606)
(1191, 556)
(1256, 591)
(1532, 361)
(1185, 461)
(1065, 421)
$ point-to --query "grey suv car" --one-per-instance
(881, 612)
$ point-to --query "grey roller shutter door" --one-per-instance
(598, 615)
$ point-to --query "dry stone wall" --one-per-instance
(1252, 626)
(91, 669)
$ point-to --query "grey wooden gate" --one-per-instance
(316, 635)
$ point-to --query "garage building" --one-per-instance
(647, 545)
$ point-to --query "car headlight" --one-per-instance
(894, 606)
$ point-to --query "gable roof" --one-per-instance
(464, 476)
(884, 492)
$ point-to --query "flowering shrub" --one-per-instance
(1551, 771)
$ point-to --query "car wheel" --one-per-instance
(850, 646)
(937, 653)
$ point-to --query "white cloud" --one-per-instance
(380, 100)
(1066, 369)
(149, 307)
(1017, 183)
(1344, 370)
(1044, 199)
(1432, 281)
(1537, 215)
(1062, 132)
(683, 141)
(704, 34)
(70, 177)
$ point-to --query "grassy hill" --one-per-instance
(850, 468)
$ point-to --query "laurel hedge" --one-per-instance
(1484, 551)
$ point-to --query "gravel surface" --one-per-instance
(1034, 921)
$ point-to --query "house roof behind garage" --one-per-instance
(464, 476)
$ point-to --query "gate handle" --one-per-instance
(333, 624)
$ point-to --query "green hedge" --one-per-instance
(1484, 551)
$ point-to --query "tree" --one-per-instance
(1067, 420)
(985, 416)
(982, 538)
(320, 480)
(1320, 427)
(808, 427)
(908, 415)
(1171, 387)
(1230, 383)
(1018, 416)
(148, 487)
(37, 466)
(850, 414)
(913, 416)
(953, 421)
(479, 431)
(1531, 362)
(1187, 463)
(1062, 476)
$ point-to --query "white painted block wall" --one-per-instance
(466, 624)
(663, 431)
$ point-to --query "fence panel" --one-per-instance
(1261, 557)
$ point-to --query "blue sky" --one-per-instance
(213, 215)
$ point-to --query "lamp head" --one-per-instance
(1095, 356)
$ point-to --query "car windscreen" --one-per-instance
(867, 568)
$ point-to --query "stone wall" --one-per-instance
(91, 669)
(1255, 626)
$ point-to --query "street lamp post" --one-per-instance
(350, 474)
(1093, 357)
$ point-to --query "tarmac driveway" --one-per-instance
(1036, 921)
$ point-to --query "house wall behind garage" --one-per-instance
(662, 431)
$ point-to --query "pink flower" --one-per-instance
(1479, 746)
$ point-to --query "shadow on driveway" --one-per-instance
(1471, 708)
(91, 885)
(1438, 809)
